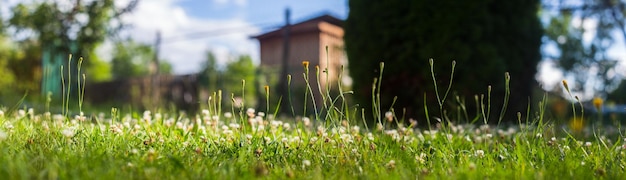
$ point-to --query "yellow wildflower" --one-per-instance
(576, 124)
(597, 103)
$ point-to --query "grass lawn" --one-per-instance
(246, 144)
(163, 146)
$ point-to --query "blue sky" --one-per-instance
(220, 26)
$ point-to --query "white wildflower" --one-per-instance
(306, 121)
(389, 116)
(250, 112)
(391, 164)
(68, 132)
(228, 115)
(379, 126)
(234, 126)
(588, 144)
(21, 113)
(355, 129)
(3, 135)
(479, 153)
(306, 163)
(8, 125)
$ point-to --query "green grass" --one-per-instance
(159, 146)
(334, 144)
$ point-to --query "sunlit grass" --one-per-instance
(243, 143)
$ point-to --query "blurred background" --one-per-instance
(177, 54)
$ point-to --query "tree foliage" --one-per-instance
(61, 25)
(131, 59)
(229, 79)
(7, 52)
(586, 59)
(486, 38)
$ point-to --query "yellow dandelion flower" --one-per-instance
(305, 64)
(576, 124)
(597, 103)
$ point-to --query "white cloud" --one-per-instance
(188, 53)
(236, 2)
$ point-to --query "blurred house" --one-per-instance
(308, 41)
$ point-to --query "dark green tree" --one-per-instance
(486, 38)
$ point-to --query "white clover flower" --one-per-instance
(1, 113)
(3, 135)
(258, 120)
(479, 153)
(489, 135)
(248, 136)
(8, 125)
(21, 113)
(370, 136)
(306, 163)
(234, 126)
(286, 126)
(389, 116)
(68, 132)
(421, 158)
(147, 115)
(538, 135)
(391, 164)
(228, 115)
(58, 117)
(356, 129)
(250, 112)
(262, 114)
(306, 121)
(588, 144)
(379, 126)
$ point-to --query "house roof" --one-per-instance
(306, 26)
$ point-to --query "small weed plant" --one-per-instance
(332, 143)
